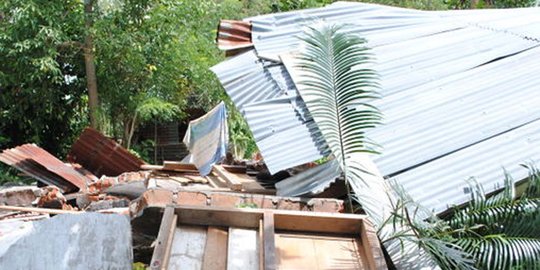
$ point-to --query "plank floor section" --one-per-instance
(312, 252)
(243, 249)
(188, 247)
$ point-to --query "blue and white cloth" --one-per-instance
(206, 139)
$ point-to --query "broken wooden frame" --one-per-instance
(228, 238)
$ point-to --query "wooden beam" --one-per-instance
(372, 247)
(230, 178)
(318, 222)
(283, 219)
(214, 216)
(162, 251)
(179, 166)
(269, 241)
(39, 210)
(171, 169)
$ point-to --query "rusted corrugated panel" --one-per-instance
(101, 155)
(40, 164)
(234, 36)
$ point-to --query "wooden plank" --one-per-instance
(372, 247)
(163, 168)
(283, 219)
(214, 216)
(188, 247)
(39, 210)
(215, 253)
(318, 222)
(311, 251)
(216, 182)
(160, 257)
(230, 178)
(178, 166)
(269, 241)
(151, 167)
(261, 244)
(168, 245)
(243, 249)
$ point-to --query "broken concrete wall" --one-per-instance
(71, 241)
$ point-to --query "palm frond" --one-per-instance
(502, 252)
(502, 213)
(338, 89)
(533, 188)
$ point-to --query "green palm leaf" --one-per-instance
(502, 231)
(338, 88)
(502, 252)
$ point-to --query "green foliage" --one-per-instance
(157, 109)
(41, 77)
(337, 87)
(144, 150)
(466, 4)
(497, 232)
(9, 175)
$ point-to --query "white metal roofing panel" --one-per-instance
(264, 93)
(309, 182)
(443, 182)
(444, 85)
(283, 137)
(425, 122)
(245, 79)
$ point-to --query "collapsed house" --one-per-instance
(458, 93)
(91, 202)
(446, 79)
(458, 96)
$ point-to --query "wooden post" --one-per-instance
(269, 241)
(162, 251)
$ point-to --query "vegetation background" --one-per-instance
(152, 60)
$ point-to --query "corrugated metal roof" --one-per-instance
(309, 182)
(264, 93)
(36, 162)
(459, 95)
(234, 36)
(101, 155)
(450, 79)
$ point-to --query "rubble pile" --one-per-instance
(138, 194)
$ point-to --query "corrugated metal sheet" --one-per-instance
(309, 182)
(264, 93)
(40, 164)
(447, 78)
(284, 138)
(234, 36)
(381, 25)
(101, 155)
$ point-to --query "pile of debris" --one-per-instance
(103, 177)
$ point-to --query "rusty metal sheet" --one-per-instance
(102, 156)
(234, 36)
(38, 163)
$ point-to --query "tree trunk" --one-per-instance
(91, 80)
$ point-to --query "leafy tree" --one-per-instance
(42, 93)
